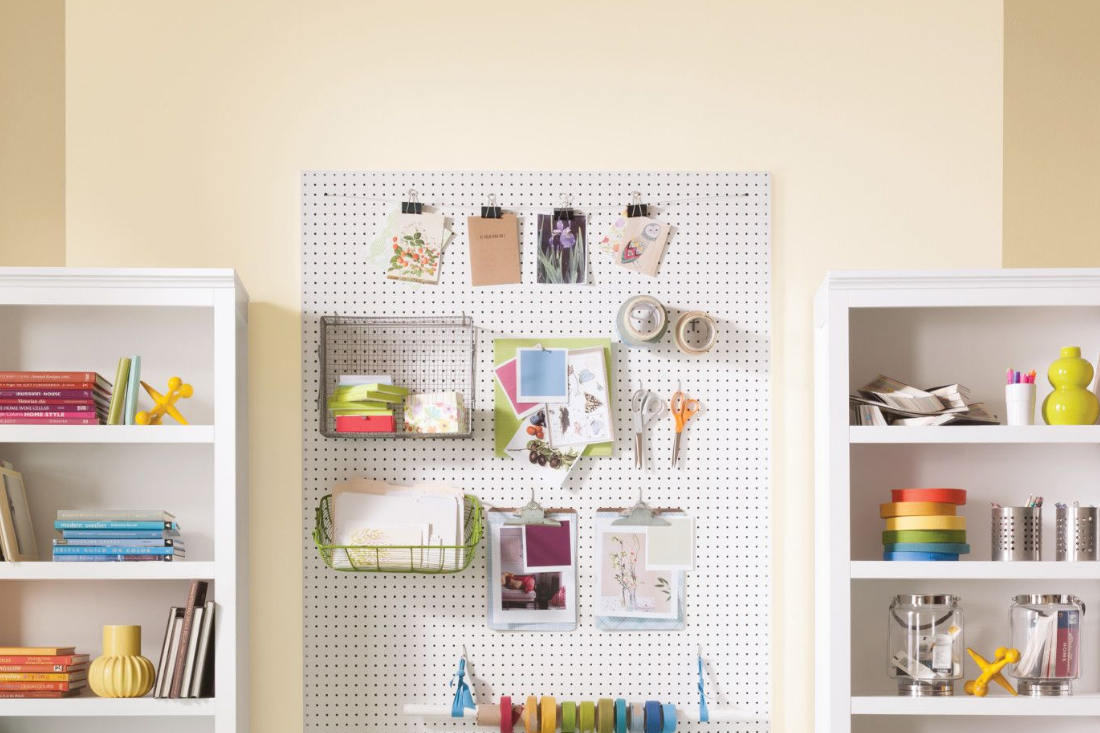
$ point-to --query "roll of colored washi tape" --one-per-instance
(686, 321)
(620, 715)
(548, 715)
(926, 523)
(568, 717)
(506, 719)
(587, 713)
(637, 717)
(605, 715)
(531, 715)
(917, 509)
(924, 535)
(947, 496)
(668, 718)
(957, 548)
(641, 322)
(652, 717)
(920, 556)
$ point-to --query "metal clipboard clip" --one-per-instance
(641, 515)
(636, 207)
(492, 210)
(413, 205)
(532, 514)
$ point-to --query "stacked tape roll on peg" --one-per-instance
(923, 524)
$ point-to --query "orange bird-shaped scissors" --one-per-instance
(682, 409)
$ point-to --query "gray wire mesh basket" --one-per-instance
(424, 354)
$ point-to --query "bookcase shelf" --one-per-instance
(47, 570)
(88, 705)
(930, 328)
(183, 322)
(159, 434)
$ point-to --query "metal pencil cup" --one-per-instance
(1077, 533)
(1017, 533)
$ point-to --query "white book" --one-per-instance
(164, 674)
(192, 649)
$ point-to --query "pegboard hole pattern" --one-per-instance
(376, 641)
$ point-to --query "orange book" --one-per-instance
(62, 659)
(35, 651)
(36, 694)
(43, 676)
(44, 668)
(56, 686)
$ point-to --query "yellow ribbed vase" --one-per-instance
(121, 671)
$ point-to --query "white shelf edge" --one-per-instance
(963, 704)
(106, 433)
(974, 570)
(151, 570)
(864, 434)
(89, 705)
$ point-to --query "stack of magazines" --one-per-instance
(886, 401)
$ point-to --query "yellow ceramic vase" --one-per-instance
(121, 671)
(1071, 402)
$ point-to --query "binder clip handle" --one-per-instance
(492, 210)
(636, 207)
(412, 205)
(565, 211)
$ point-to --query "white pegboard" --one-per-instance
(376, 641)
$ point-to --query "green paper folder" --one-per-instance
(129, 410)
(505, 422)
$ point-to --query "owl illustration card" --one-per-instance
(641, 245)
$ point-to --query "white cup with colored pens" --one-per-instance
(1020, 397)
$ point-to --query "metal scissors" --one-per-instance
(682, 409)
(646, 406)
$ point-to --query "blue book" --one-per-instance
(69, 550)
(117, 558)
(118, 534)
(116, 525)
(111, 542)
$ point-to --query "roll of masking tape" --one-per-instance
(668, 718)
(568, 717)
(588, 716)
(652, 717)
(685, 322)
(531, 715)
(641, 322)
(506, 719)
(637, 717)
(548, 715)
(897, 523)
(605, 715)
(916, 509)
(620, 715)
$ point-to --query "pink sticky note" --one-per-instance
(506, 375)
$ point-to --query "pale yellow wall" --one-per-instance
(189, 122)
(32, 132)
(1052, 133)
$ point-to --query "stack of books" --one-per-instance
(365, 407)
(54, 398)
(114, 535)
(921, 524)
(186, 665)
(887, 401)
(41, 672)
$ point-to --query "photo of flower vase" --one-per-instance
(1071, 402)
(121, 671)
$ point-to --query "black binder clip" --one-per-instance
(565, 211)
(492, 211)
(636, 207)
(413, 205)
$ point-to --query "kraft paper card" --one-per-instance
(494, 250)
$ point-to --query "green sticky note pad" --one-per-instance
(505, 422)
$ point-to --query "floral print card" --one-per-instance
(625, 588)
(563, 250)
(585, 417)
(439, 412)
(417, 242)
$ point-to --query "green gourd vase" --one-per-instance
(1071, 402)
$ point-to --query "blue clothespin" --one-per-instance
(704, 714)
(463, 697)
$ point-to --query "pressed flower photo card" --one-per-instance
(625, 588)
(563, 250)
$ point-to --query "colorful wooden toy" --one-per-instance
(165, 404)
(991, 671)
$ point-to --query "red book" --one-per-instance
(36, 694)
(43, 413)
(44, 668)
(62, 659)
(196, 598)
(48, 404)
(365, 424)
(8, 392)
(47, 686)
(50, 421)
(53, 377)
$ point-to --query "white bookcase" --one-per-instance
(189, 323)
(930, 328)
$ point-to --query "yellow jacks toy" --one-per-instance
(165, 404)
(991, 671)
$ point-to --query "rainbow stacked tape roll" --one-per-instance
(922, 524)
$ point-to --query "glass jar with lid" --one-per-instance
(924, 644)
(1046, 630)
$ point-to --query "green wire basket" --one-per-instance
(428, 559)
